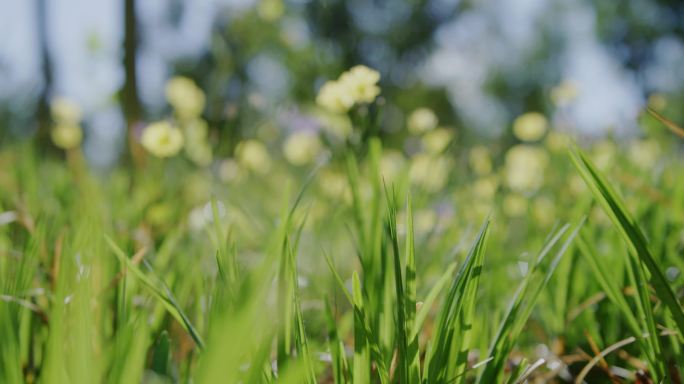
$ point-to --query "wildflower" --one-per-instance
(270, 10)
(557, 141)
(197, 147)
(67, 135)
(421, 120)
(480, 160)
(65, 111)
(437, 141)
(334, 185)
(485, 188)
(161, 139)
(301, 148)
(525, 167)
(361, 82)
(530, 126)
(253, 155)
(429, 172)
(229, 170)
(335, 97)
(186, 98)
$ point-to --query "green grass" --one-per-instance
(104, 279)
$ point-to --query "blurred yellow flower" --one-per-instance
(65, 111)
(186, 98)
(335, 96)
(421, 120)
(302, 148)
(429, 172)
(437, 141)
(514, 205)
(334, 185)
(270, 10)
(525, 167)
(162, 139)
(229, 171)
(66, 135)
(557, 141)
(362, 82)
(197, 146)
(253, 155)
(480, 160)
(530, 126)
(485, 188)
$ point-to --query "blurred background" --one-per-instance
(590, 67)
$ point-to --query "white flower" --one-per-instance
(161, 139)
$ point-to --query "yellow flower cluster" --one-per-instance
(358, 85)
(67, 132)
(186, 98)
(188, 101)
(421, 120)
(162, 139)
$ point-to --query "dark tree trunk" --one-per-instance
(130, 99)
(43, 107)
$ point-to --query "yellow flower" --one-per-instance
(480, 160)
(161, 139)
(334, 185)
(302, 148)
(335, 97)
(530, 126)
(253, 155)
(67, 135)
(230, 170)
(421, 120)
(429, 172)
(437, 141)
(557, 141)
(485, 188)
(270, 10)
(362, 82)
(186, 98)
(525, 167)
(65, 111)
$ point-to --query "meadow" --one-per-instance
(333, 256)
